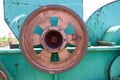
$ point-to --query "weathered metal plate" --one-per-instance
(101, 20)
(100, 56)
(16, 11)
(53, 16)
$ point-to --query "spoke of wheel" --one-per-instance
(64, 19)
(45, 56)
(36, 39)
(64, 54)
(71, 39)
(62, 24)
(45, 24)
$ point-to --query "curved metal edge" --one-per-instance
(6, 74)
(109, 35)
(39, 10)
(89, 19)
(2, 75)
(108, 67)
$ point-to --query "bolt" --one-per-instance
(65, 39)
(58, 49)
(59, 29)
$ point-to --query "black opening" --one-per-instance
(53, 39)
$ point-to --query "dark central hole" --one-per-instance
(53, 39)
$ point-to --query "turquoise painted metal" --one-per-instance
(112, 35)
(99, 63)
(16, 11)
(103, 30)
(115, 69)
(93, 66)
(101, 20)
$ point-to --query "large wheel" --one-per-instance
(53, 30)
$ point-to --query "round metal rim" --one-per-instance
(2, 76)
(62, 69)
(61, 32)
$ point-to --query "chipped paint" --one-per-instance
(101, 20)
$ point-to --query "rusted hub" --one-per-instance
(53, 39)
(2, 76)
(55, 29)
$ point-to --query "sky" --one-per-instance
(4, 30)
(89, 7)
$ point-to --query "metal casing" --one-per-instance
(16, 11)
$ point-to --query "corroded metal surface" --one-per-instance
(101, 20)
(2, 76)
(59, 20)
(54, 39)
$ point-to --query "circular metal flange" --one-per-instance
(54, 39)
(55, 28)
(2, 76)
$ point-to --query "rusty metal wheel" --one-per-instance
(2, 76)
(47, 36)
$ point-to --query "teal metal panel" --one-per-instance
(92, 67)
(103, 19)
(20, 69)
(17, 10)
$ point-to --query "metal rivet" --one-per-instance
(59, 29)
(65, 39)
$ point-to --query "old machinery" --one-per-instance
(53, 41)
(53, 28)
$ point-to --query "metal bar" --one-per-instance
(92, 48)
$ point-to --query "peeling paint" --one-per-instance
(101, 20)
